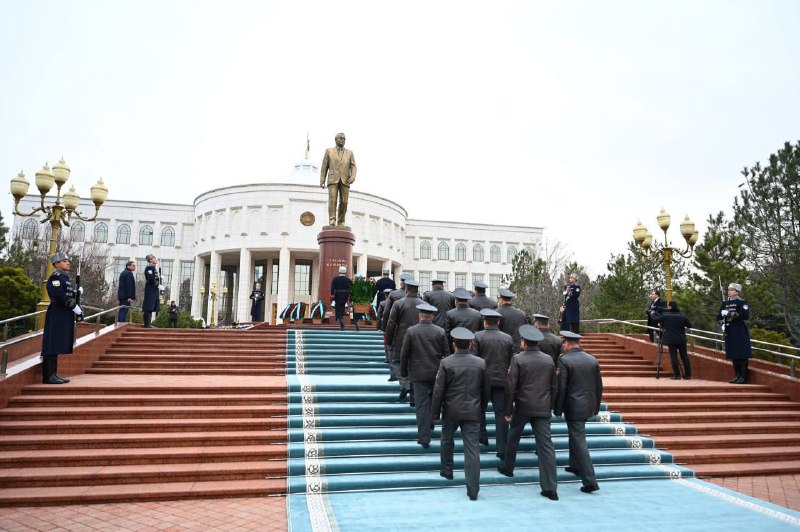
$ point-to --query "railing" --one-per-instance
(717, 339)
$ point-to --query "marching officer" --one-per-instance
(733, 313)
(152, 290)
(381, 285)
(461, 391)
(424, 345)
(654, 310)
(340, 294)
(393, 296)
(496, 348)
(441, 299)
(550, 343)
(462, 315)
(513, 318)
(571, 309)
(59, 321)
(580, 391)
(531, 395)
(481, 301)
(257, 296)
(403, 315)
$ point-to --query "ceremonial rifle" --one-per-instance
(78, 282)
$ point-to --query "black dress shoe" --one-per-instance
(448, 476)
(53, 380)
(392, 379)
(687, 378)
(403, 394)
(473, 497)
(589, 489)
(484, 440)
(674, 378)
(503, 471)
(62, 379)
(411, 402)
(425, 445)
(733, 380)
(552, 495)
(501, 456)
(572, 470)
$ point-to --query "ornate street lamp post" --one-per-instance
(213, 297)
(644, 239)
(57, 213)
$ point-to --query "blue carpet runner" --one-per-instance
(349, 432)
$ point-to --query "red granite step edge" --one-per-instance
(117, 389)
(149, 400)
(735, 454)
(274, 372)
(750, 468)
(701, 417)
(669, 443)
(135, 440)
(140, 425)
(665, 395)
(682, 406)
(140, 412)
(659, 430)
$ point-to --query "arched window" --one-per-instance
(124, 234)
(77, 232)
(477, 253)
(511, 252)
(444, 251)
(494, 253)
(30, 229)
(168, 237)
(146, 236)
(461, 251)
(425, 250)
(529, 251)
(101, 233)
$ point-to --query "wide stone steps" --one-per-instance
(63, 401)
(184, 371)
(748, 468)
(719, 428)
(673, 443)
(629, 407)
(133, 366)
(147, 388)
(145, 412)
(84, 426)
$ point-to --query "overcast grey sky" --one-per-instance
(580, 117)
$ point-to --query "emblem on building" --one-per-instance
(307, 218)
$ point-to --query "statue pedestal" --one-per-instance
(335, 250)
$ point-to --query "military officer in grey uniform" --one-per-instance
(496, 348)
(531, 395)
(550, 344)
(580, 391)
(441, 299)
(424, 345)
(462, 315)
(461, 391)
(513, 318)
(404, 314)
(393, 296)
(481, 301)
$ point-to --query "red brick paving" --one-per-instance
(783, 490)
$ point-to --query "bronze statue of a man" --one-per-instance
(339, 166)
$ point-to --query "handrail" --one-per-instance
(17, 318)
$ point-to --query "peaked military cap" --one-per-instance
(508, 294)
(541, 318)
(437, 281)
(481, 285)
(735, 286)
(460, 293)
(387, 290)
(569, 335)
(342, 269)
(490, 313)
(412, 282)
(385, 271)
(462, 333)
(406, 276)
(58, 257)
(529, 333)
(424, 307)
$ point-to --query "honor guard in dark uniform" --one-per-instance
(404, 314)
(340, 294)
(496, 348)
(462, 315)
(441, 299)
(461, 392)
(380, 287)
(59, 320)
(550, 343)
(513, 318)
(530, 398)
(424, 346)
(580, 391)
(126, 292)
(152, 290)
(674, 324)
(733, 314)
(656, 307)
(571, 310)
(480, 300)
(257, 296)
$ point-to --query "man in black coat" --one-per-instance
(340, 294)
(441, 299)
(461, 391)
(424, 345)
(571, 310)
(674, 324)
(404, 314)
(152, 290)
(496, 348)
(481, 301)
(531, 395)
(550, 343)
(734, 313)
(126, 292)
(513, 318)
(580, 391)
(653, 311)
(380, 286)
(59, 320)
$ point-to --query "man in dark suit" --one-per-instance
(441, 299)
(530, 397)
(339, 167)
(152, 290)
(461, 391)
(59, 321)
(404, 314)
(380, 286)
(340, 294)
(126, 292)
(550, 343)
(424, 345)
(674, 324)
(580, 391)
(481, 301)
(513, 318)
(653, 311)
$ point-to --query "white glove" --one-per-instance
(333, 303)
(724, 312)
(80, 290)
(161, 288)
(77, 310)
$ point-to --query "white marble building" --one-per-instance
(267, 232)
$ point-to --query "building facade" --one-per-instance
(267, 232)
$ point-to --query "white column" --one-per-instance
(245, 284)
(362, 264)
(387, 265)
(197, 300)
(175, 283)
(284, 274)
(216, 263)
